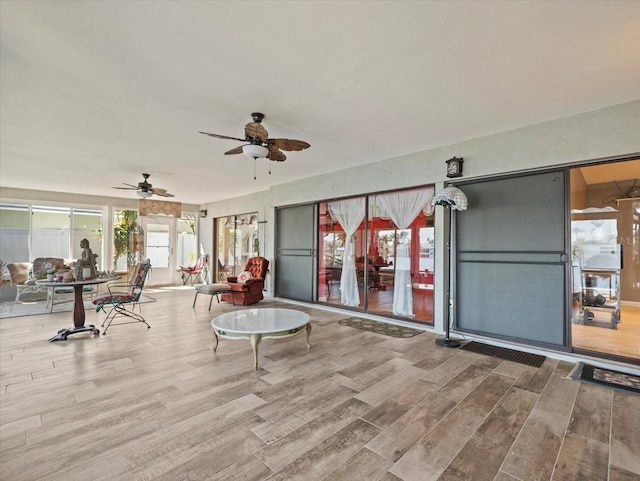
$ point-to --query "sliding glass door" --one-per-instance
(377, 254)
(511, 270)
(236, 241)
(605, 247)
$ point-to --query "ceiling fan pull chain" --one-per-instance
(269, 166)
(254, 168)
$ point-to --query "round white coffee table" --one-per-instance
(258, 324)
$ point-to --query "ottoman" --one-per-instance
(211, 290)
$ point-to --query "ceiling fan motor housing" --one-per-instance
(144, 185)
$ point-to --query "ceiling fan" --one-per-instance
(259, 144)
(145, 189)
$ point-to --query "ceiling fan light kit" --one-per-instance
(144, 194)
(255, 151)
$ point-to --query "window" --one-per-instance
(50, 228)
(14, 233)
(187, 247)
(158, 245)
(30, 231)
(87, 224)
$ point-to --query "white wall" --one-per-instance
(609, 132)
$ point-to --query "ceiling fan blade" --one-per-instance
(163, 194)
(160, 192)
(276, 154)
(237, 150)
(288, 144)
(130, 185)
(222, 136)
(126, 188)
(256, 131)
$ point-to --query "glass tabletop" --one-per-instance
(260, 321)
(87, 282)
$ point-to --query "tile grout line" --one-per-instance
(566, 431)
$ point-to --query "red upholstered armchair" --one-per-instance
(249, 291)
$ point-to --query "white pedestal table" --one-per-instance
(258, 324)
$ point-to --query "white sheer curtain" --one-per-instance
(403, 208)
(349, 213)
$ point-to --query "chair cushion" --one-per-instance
(213, 288)
(138, 272)
(115, 297)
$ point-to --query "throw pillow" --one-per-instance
(243, 277)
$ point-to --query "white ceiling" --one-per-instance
(95, 93)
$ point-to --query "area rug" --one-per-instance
(17, 309)
(607, 377)
(379, 327)
(527, 358)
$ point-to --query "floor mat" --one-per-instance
(379, 327)
(527, 358)
(607, 377)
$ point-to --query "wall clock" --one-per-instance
(454, 167)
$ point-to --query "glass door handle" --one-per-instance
(621, 254)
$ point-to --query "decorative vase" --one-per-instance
(51, 277)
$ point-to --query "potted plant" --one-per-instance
(51, 274)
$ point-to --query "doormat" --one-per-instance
(527, 358)
(379, 327)
(607, 377)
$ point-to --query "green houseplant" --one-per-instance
(127, 220)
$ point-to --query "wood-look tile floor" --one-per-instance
(159, 404)
(622, 341)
